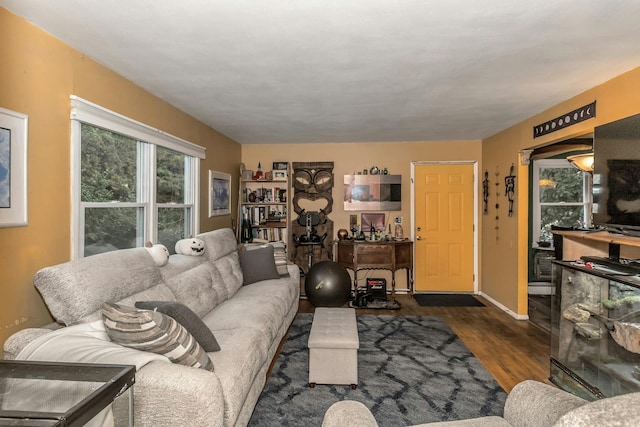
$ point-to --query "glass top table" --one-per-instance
(60, 394)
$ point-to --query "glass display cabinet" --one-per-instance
(595, 330)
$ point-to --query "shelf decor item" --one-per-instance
(280, 166)
(13, 168)
(247, 175)
(258, 175)
(279, 175)
(219, 193)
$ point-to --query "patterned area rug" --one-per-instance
(411, 370)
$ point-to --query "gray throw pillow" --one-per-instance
(155, 332)
(187, 318)
(258, 264)
(279, 255)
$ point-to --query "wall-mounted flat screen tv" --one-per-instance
(616, 176)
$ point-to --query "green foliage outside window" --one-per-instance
(170, 185)
(110, 175)
(561, 199)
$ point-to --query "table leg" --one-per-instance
(131, 409)
(393, 285)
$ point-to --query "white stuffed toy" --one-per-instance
(159, 253)
(192, 246)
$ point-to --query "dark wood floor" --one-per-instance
(511, 350)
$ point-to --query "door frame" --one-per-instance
(476, 226)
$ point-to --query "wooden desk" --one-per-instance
(383, 255)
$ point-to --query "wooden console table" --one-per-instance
(383, 255)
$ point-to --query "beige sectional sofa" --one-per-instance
(248, 322)
(530, 404)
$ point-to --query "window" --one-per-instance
(561, 196)
(132, 183)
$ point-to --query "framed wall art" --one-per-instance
(13, 168)
(372, 192)
(219, 193)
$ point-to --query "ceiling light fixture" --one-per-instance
(584, 162)
(546, 183)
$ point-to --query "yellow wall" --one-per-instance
(504, 268)
(38, 76)
(353, 157)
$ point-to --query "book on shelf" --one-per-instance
(270, 234)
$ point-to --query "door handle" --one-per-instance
(418, 237)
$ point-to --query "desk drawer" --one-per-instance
(374, 255)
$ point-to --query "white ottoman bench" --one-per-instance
(333, 347)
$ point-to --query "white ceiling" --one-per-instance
(283, 71)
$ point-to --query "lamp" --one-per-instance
(584, 162)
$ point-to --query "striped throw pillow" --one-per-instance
(155, 332)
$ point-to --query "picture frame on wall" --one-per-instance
(13, 168)
(219, 193)
(372, 192)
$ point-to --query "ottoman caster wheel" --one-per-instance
(354, 386)
(312, 385)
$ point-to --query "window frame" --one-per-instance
(587, 197)
(148, 138)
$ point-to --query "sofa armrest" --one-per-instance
(348, 413)
(535, 404)
(16, 342)
(173, 395)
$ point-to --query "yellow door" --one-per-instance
(444, 212)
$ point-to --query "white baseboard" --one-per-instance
(505, 309)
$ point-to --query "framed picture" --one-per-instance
(281, 166)
(219, 193)
(279, 175)
(13, 168)
(372, 219)
(372, 192)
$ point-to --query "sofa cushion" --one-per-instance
(227, 274)
(278, 291)
(154, 332)
(259, 313)
(279, 255)
(76, 289)
(195, 288)
(218, 243)
(257, 265)
(159, 292)
(239, 366)
(187, 318)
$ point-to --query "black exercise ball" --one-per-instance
(327, 284)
